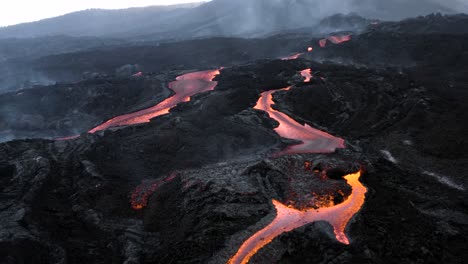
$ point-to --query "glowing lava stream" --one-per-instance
(292, 57)
(313, 140)
(184, 87)
(338, 39)
(288, 219)
(307, 73)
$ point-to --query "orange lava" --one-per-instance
(307, 73)
(313, 140)
(292, 57)
(184, 87)
(142, 193)
(323, 43)
(338, 39)
(288, 219)
(68, 138)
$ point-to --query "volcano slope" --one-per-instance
(204, 178)
(69, 109)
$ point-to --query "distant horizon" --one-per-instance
(24, 11)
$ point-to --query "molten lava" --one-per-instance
(337, 39)
(143, 192)
(68, 138)
(307, 74)
(323, 43)
(313, 140)
(288, 219)
(184, 87)
(292, 57)
(310, 49)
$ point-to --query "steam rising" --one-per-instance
(263, 16)
(223, 17)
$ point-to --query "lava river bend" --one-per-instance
(184, 87)
(288, 219)
(313, 140)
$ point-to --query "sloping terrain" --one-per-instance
(46, 60)
(219, 175)
(70, 109)
(96, 22)
(220, 18)
(216, 206)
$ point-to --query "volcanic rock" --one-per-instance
(71, 201)
(70, 109)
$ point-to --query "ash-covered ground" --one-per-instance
(205, 175)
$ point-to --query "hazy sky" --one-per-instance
(18, 11)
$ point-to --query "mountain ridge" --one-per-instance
(219, 18)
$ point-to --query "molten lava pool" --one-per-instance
(313, 140)
(184, 87)
(288, 219)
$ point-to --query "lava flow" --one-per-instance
(184, 87)
(143, 192)
(69, 138)
(292, 57)
(313, 140)
(307, 74)
(337, 39)
(288, 219)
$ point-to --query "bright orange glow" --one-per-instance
(313, 140)
(338, 39)
(184, 87)
(307, 73)
(292, 57)
(310, 49)
(288, 219)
